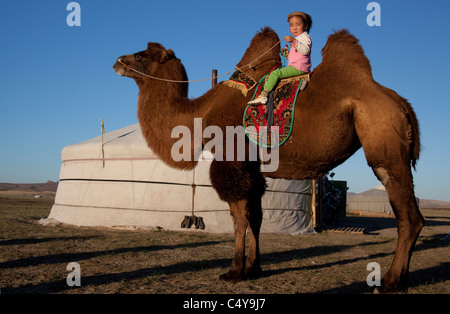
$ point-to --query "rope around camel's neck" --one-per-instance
(249, 65)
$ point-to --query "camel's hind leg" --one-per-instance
(388, 132)
(242, 185)
(399, 185)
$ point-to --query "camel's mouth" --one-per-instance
(119, 69)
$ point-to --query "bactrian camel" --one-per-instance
(341, 110)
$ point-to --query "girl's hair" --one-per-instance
(307, 19)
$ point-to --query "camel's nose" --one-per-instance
(120, 67)
(121, 60)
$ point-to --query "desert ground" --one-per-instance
(34, 257)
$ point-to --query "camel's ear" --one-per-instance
(166, 55)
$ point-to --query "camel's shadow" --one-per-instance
(433, 274)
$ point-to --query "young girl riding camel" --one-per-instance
(299, 56)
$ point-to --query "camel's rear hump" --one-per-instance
(344, 56)
(343, 51)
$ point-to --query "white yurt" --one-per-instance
(116, 180)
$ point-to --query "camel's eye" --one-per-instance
(138, 57)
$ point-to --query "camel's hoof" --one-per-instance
(231, 276)
(383, 289)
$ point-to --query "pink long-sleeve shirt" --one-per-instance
(300, 54)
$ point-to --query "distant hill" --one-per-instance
(433, 204)
(48, 187)
(380, 191)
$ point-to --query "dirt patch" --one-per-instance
(34, 257)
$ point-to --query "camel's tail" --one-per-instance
(414, 136)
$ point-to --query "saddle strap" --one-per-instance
(306, 78)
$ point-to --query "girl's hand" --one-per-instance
(289, 39)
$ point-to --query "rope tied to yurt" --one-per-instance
(193, 220)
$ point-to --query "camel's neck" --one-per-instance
(163, 111)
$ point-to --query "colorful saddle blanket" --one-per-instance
(279, 113)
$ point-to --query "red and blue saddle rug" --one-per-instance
(259, 121)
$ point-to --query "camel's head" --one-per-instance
(262, 54)
(150, 62)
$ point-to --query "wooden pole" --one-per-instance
(214, 76)
(102, 125)
(319, 217)
(314, 202)
(317, 203)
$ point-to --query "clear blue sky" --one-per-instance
(57, 81)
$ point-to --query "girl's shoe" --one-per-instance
(260, 100)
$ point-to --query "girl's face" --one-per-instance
(296, 25)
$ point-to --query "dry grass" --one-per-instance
(33, 259)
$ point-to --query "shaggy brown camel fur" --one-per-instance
(342, 109)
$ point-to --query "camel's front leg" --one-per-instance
(241, 185)
(239, 213)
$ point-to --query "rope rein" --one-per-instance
(207, 79)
